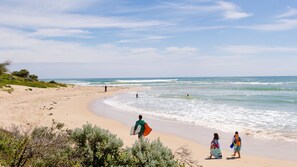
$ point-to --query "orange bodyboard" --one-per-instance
(147, 130)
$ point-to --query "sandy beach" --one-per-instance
(73, 106)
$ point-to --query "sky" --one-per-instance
(149, 38)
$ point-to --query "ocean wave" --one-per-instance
(234, 83)
(146, 81)
(270, 124)
(75, 82)
(254, 83)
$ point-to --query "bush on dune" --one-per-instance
(86, 146)
(3, 67)
(22, 73)
(146, 153)
(42, 147)
(96, 147)
(23, 78)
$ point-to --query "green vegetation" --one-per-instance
(3, 67)
(22, 73)
(23, 78)
(8, 79)
(86, 146)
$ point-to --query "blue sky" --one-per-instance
(156, 38)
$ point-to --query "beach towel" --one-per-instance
(216, 152)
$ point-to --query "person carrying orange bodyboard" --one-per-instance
(145, 129)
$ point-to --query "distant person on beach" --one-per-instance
(105, 88)
(141, 123)
(215, 147)
(236, 143)
(188, 95)
(136, 95)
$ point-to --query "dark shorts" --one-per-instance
(140, 134)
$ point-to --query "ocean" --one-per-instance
(262, 107)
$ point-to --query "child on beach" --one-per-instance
(236, 144)
(215, 147)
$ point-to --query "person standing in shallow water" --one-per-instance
(236, 144)
(141, 123)
(136, 95)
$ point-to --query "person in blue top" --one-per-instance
(141, 123)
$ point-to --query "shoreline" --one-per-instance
(71, 106)
(267, 148)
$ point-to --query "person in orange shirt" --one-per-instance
(237, 144)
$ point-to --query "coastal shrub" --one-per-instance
(3, 67)
(184, 157)
(23, 78)
(6, 88)
(22, 73)
(97, 147)
(52, 81)
(86, 146)
(44, 146)
(153, 153)
(6, 79)
(33, 77)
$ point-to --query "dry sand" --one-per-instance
(71, 106)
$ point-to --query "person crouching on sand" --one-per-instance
(237, 144)
(215, 147)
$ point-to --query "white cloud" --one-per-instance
(143, 51)
(46, 14)
(279, 25)
(46, 6)
(21, 47)
(250, 49)
(235, 15)
(157, 37)
(181, 50)
(72, 21)
(57, 32)
(229, 10)
(291, 12)
(145, 39)
(283, 22)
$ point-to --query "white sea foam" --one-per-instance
(269, 124)
(147, 81)
(75, 82)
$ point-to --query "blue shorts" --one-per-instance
(237, 148)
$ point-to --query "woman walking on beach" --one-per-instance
(215, 147)
(237, 144)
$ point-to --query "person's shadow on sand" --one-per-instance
(231, 158)
(212, 158)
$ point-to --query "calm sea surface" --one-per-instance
(264, 107)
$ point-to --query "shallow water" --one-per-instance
(262, 107)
